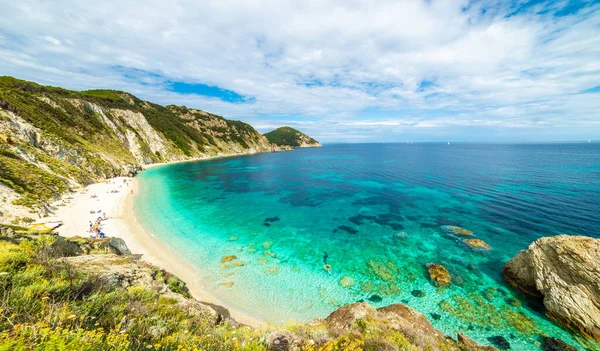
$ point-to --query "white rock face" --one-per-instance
(138, 122)
(565, 271)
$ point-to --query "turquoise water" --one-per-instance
(377, 213)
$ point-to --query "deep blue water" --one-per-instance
(377, 213)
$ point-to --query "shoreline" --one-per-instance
(122, 223)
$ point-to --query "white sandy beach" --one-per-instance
(122, 223)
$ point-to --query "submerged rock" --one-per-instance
(565, 271)
(418, 293)
(267, 244)
(347, 282)
(477, 244)
(439, 274)
(229, 258)
(500, 342)
(375, 298)
(458, 230)
(227, 284)
(553, 344)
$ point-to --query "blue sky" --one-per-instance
(339, 70)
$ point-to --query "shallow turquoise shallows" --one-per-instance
(376, 215)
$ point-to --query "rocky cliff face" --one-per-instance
(565, 271)
(290, 137)
(52, 140)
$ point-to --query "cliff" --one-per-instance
(564, 271)
(52, 140)
(91, 294)
(287, 136)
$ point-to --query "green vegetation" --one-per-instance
(85, 136)
(287, 136)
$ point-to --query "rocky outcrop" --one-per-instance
(565, 271)
(395, 318)
(125, 271)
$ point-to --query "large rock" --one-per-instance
(397, 318)
(565, 271)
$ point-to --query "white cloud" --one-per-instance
(341, 69)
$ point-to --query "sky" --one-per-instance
(338, 70)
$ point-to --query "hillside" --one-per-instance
(287, 136)
(52, 140)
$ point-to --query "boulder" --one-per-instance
(118, 246)
(439, 274)
(281, 341)
(343, 319)
(565, 271)
(393, 318)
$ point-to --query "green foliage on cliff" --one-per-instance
(85, 136)
(288, 136)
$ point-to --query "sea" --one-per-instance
(318, 228)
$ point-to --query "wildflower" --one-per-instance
(3, 273)
(72, 316)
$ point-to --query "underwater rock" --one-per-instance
(375, 298)
(439, 274)
(458, 230)
(272, 270)
(233, 238)
(380, 271)
(565, 271)
(499, 342)
(227, 284)
(418, 293)
(262, 260)
(237, 264)
(230, 258)
(270, 253)
(271, 219)
(267, 244)
(346, 282)
(477, 244)
(553, 344)
(436, 316)
(401, 235)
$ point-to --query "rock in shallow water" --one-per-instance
(477, 244)
(439, 274)
(500, 342)
(346, 282)
(565, 271)
(553, 344)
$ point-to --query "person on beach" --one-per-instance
(91, 225)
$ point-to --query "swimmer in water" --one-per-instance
(325, 257)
